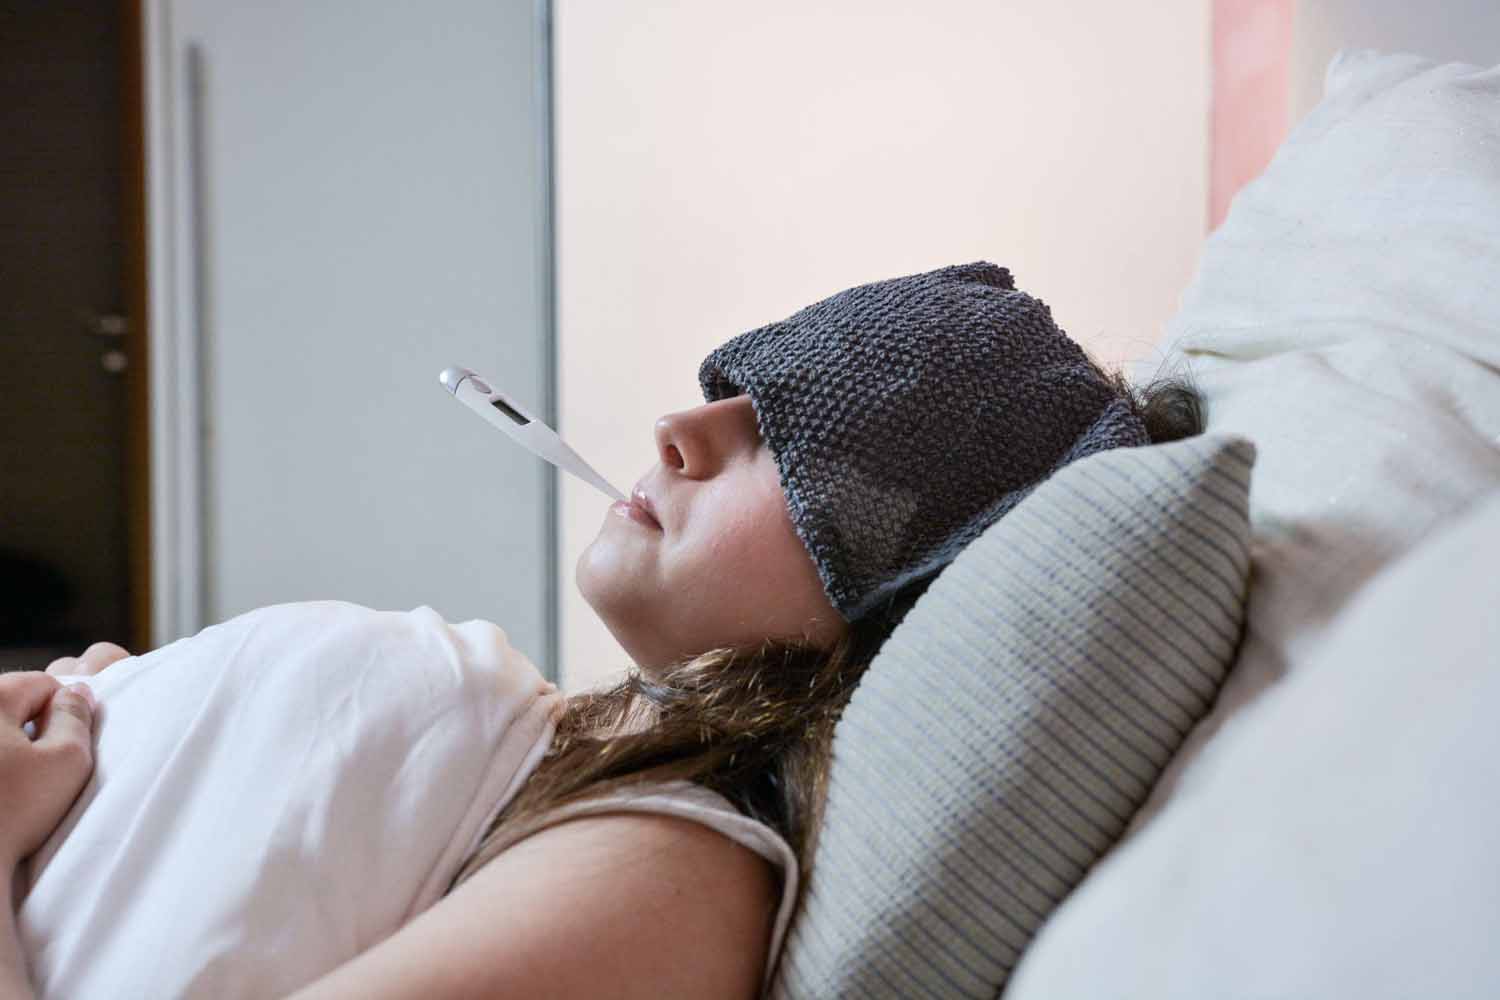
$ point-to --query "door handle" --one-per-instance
(104, 324)
(111, 326)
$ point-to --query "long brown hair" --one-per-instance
(754, 724)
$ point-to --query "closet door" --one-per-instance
(347, 197)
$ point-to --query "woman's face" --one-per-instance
(719, 563)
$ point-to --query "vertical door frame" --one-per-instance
(542, 92)
(176, 549)
(138, 388)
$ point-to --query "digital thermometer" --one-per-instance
(530, 433)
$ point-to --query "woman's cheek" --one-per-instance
(734, 546)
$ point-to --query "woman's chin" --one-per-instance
(606, 578)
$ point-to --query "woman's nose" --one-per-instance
(667, 433)
(695, 442)
(684, 445)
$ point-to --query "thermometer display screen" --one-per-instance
(509, 411)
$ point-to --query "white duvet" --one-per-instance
(275, 795)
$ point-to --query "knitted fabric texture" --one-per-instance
(908, 415)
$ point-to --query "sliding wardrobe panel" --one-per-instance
(350, 197)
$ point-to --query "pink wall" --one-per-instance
(1252, 49)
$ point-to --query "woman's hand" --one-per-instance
(94, 659)
(41, 777)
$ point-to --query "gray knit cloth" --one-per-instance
(908, 415)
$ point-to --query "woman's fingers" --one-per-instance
(94, 659)
(100, 655)
(41, 777)
(24, 694)
(64, 666)
(68, 724)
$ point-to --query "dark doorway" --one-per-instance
(74, 483)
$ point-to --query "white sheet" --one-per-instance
(276, 795)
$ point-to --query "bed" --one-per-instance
(1321, 824)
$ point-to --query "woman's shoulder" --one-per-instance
(681, 809)
(628, 902)
(682, 799)
(691, 801)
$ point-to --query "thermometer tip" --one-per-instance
(450, 377)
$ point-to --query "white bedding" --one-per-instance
(1345, 318)
(276, 795)
(1345, 844)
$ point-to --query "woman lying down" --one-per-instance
(328, 801)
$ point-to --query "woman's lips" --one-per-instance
(637, 508)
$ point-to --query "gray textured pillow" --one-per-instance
(1014, 721)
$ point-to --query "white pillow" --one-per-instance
(1346, 847)
(1378, 218)
(1346, 319)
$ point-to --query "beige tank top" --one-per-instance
(686, 800)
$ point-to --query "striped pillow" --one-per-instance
(1016, 719)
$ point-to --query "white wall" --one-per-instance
(370, 212)
(719, 166)
(1456, 30)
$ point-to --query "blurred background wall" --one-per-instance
(719, 166)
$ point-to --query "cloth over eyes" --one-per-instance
(908, 415)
